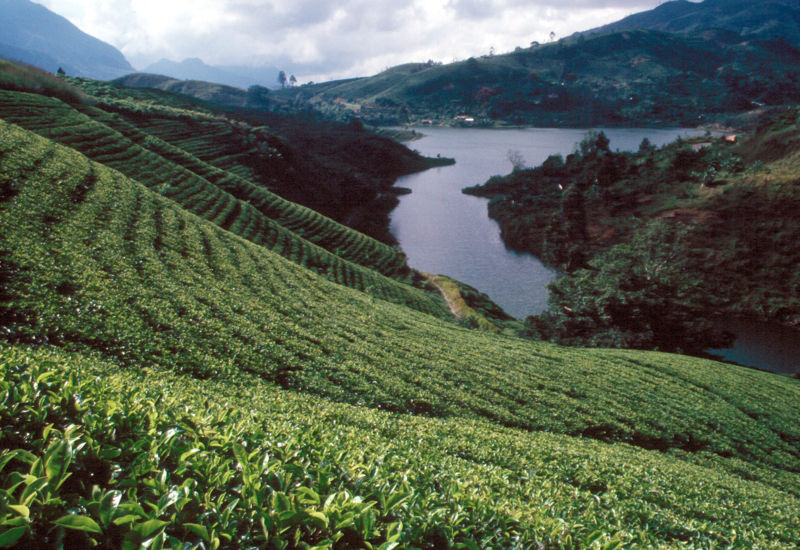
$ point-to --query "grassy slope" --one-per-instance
(98, 264)
(256, 214)
(633, 77)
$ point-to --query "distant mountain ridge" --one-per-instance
(766, 20)
(220, 94)
(231, 75)
(620, 78)
(31, 33)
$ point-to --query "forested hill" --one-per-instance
(765, 20)
(341, 170)
(637, 77)
(657, 244)
(188, 360)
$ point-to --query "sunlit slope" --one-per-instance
(236, 462)
(250, 215)
(214, 138)
(93, 260)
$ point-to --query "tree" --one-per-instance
(292, 81)
(60, 72)
(282, 79)
(516, 159)
(552, 36)
(257, 96)
(566, 234)
(641, 294)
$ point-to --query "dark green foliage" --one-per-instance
(644, 294)
(635, 78)
(739, 235)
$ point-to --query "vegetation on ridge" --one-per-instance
(170, 382)
(629, 78)
(657, 242)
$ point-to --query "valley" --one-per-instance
(249, 318)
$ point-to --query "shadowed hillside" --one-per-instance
(766, 20)
(637, 77)
(169, 381)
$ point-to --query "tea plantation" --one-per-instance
(169, 381)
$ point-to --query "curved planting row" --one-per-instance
(207, 200)
(311, 225)
(94, 260)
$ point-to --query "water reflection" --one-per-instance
(444, 231)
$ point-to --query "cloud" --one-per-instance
(323, 39)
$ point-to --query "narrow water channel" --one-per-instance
(441, 230)
(444, 231)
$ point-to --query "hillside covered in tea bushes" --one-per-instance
(174, 379)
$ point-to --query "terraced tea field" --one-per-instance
(174, 379)
(252, 220)
(234, 462)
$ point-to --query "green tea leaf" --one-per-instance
(149, 528)
(79, 523)
(22, 510)
(10, 537)
(199, 530)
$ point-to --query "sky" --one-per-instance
(322, 40)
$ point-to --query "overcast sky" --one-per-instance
(325, 39)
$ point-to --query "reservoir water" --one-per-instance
(441, 230)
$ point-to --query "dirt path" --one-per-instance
(447, 298)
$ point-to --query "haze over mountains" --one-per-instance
(231, 75)
(35, 35)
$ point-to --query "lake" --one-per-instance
(441, 230)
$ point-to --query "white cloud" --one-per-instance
(323, 39)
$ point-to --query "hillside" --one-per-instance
(637, 77)
(340, 170)
(180, 368)
(659, 243)
(752, 20)
(196, 69)
(212, 92)
(30, 33)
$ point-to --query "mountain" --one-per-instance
(615, 78)
(232, 75)
(220, 94)
(766, 20)
(187, 360)
(32, 34)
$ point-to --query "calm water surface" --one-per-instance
(441, 230)
(444, 231)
